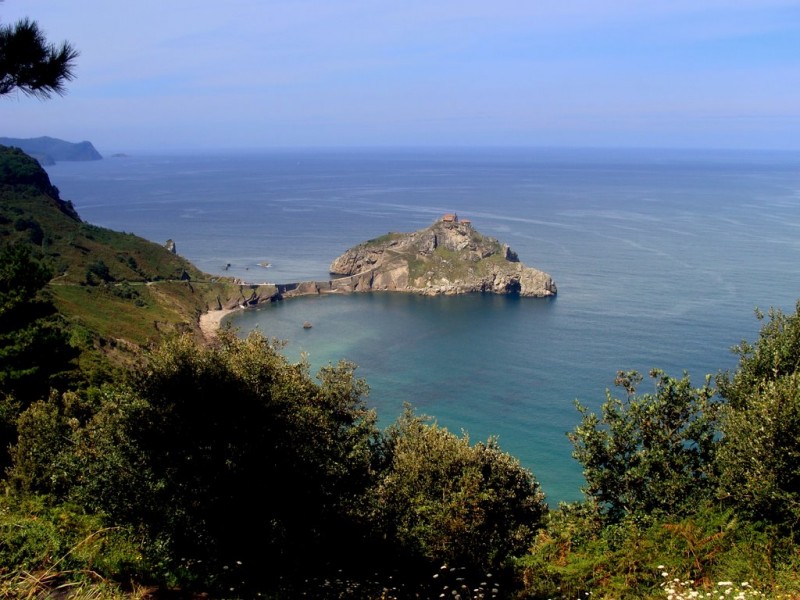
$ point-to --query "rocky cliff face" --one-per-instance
(449, 257)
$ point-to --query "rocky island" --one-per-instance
(449, 257)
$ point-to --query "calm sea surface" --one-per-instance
(660, 258)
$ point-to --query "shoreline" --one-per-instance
(211, 320)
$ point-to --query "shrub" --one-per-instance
(218, 456)
(575, 556)
(760, 454)
(57, 543)
(445, 500)
(649, 453)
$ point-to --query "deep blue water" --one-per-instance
(660, 258)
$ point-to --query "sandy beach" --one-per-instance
(210, 321)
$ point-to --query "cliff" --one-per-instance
(449, 257)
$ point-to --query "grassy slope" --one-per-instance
(450, 265)
(116, 289)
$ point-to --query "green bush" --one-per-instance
(217, 456)
(34, 350)
(61, 541)
(649, 454)
(447, 501)
(634, 558)
(98, 272)
(760, 454)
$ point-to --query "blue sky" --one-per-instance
(180, 74)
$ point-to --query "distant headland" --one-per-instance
(48, 150)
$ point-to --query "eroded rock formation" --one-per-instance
(449, 257)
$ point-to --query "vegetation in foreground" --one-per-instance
(182, 468)
(173, 468)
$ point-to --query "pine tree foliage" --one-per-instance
(30, 64)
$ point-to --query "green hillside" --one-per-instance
(115, 289)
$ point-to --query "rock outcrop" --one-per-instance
(449, 257)
(248, 295)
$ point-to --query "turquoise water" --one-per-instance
(660, 258)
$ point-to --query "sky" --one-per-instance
(248, 74)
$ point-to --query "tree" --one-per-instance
(650, 453)
(32, 65)
(760, 453)
(34, 350)
(775, 354)
(446, 501)
(33, 344)
(226, 458)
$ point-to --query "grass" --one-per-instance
(677, 589)
(115, 289)
(99, 311)
(60, 552)
(384, 239)
(450, 265)
(144, 312)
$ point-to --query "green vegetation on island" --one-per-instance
(142, 460)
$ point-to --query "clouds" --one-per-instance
(259, 73)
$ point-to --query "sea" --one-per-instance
(660, 257)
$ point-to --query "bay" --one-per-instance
(660, 257)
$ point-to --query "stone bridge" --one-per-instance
(339, 285)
